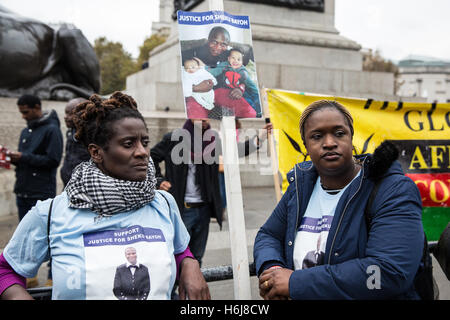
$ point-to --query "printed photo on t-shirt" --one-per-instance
(310, 243)
(127, 264)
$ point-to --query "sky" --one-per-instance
(397, 28)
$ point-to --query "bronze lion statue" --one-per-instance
(54, 64)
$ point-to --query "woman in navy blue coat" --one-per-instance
(316, 244)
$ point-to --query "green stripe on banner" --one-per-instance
(434, 220)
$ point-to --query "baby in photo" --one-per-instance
(193, 74)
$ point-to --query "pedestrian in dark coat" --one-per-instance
(75, 151)
(38, 155)
(191, 176)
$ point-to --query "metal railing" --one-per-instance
(211, 274)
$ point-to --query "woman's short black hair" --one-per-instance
(322, 104)
(93, 119)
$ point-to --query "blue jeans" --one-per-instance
(197, 221)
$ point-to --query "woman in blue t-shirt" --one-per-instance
(317, 245)
(109, 205)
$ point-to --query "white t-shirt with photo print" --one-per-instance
(87, 252)
(312, 234)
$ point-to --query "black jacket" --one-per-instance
(207, 176)
(41, 144)
(76, 153)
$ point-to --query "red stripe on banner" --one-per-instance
(434, 188)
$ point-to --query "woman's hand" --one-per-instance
(165, 185)
(267, 129)
(192, 283)
(274, 283)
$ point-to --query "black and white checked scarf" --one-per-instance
(89, 188)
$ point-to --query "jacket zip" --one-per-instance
(298, 208)
(343, 212)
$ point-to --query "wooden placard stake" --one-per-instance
(235, 207)
(273, 154)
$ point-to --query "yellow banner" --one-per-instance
(420, 130)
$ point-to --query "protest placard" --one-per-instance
(218, 66)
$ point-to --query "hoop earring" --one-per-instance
(298, 158)
(304, 159)
(357, 161)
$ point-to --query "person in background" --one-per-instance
(191, 180)
(37, 159)
(38, 155)
(323, 210)
(75, 151)
(244, 149)
(111, 195)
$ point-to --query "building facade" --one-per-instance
(425, 77)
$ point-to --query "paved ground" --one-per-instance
(258, 204)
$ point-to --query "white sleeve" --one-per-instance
(28, 247)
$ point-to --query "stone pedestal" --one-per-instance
(294, 50)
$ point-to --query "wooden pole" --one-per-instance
(273, 154)
(235, 207)
(216, 5)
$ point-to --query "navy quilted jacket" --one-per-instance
(394, 242)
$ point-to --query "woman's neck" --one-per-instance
(339, 182)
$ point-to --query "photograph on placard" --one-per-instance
(218, 70)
